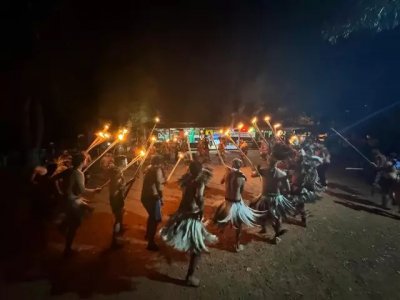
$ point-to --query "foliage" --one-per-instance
(357, 15)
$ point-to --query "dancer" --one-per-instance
(185, 230)
(272, 200)
(76, 204)
(152, 199)
(117, 196)
(233, 210)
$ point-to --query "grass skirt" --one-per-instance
(187, 233)
(236, 213)
(276, 204)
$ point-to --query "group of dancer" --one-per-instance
(290, 179)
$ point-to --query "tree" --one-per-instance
(357, 15)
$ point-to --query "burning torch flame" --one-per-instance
(254, 120)
(153, 138)
(142, 153)
(277, 125)
(267, 119)
(157, 119)
(240, 126)
(181, 155)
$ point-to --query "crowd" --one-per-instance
(294, 174)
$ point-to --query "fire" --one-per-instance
(142, 153)
(254, 120)
(277, 125)
(267, 119)
(240, 126)
(157, 119)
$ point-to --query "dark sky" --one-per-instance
(191, 60)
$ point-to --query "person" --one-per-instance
(264, 150)
(152, 198)
(107, 161)
(76, 204)
(233, 210)
(272, 201)
(206, 146)
(387, 181)
(118, 189)
(378, 163)
(244, 147)
(221, 149)
(185, 230)
(324, 154)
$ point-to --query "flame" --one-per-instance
(167, 140)
(221, 131)
(120, 136)
(153, 138)
(240, 125)
(251, 129)
(106, 135)
(254, 120)
(294, 139)
(124, 131)
(181, 155)
(142, 153)
(157, 119)
(175, 139)
(279, 133)
(267, 119)
(277, 125)
(106, 126)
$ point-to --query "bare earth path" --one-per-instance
(349, 250)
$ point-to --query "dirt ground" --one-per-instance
(349, 250)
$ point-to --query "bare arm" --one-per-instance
(159, 181)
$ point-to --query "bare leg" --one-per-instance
(238, 246)
(194, 262)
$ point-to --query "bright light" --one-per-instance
(279, 133)
(186, 133)
(124, 131)
(142, 153)
(167, 140)
(277, 125)
(227, 132)
(108, 144)
(106, 135)
(100, 134)
(106, 127)
(175, 139)
(254, 120)
(294, 140)
(157, 119)
(251, 129)
(181, 155)
(267, 119)
(240, 126)
(221, 131)
(153, 138)
(120, 136)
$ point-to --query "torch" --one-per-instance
(254, 122)
(237, 146)
(176, 164)
(120, 138)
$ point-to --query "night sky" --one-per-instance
(189, 61)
